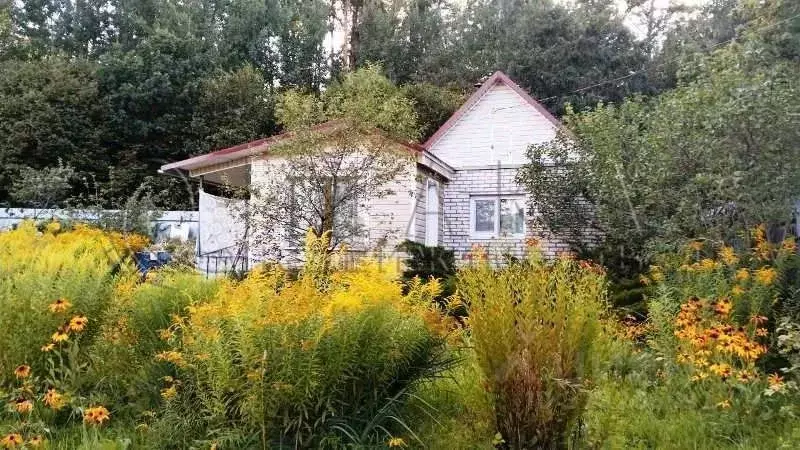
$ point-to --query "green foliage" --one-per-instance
(269, 362)
(534, 325)
(124, 372)
(454, 410)
(688, 379)
(681, 165)
(364, 98)
(433, 104)
(425, 262)
(44, 188)
(50, 111)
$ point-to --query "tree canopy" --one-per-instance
(713, 157)
(116, 88)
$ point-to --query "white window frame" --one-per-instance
(496, 233)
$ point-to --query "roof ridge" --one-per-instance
(497, 77)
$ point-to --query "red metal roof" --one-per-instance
(256, 147)
(497, 77)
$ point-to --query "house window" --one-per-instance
(493, 216)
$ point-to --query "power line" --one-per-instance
(632, 74)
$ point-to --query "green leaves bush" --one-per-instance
(534, 326)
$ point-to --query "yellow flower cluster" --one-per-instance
(713, 345)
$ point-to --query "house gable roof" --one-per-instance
(259, 146)
(496, 78)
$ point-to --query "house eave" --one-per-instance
(432, 162)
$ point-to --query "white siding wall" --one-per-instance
(499, 127)
(388, 220)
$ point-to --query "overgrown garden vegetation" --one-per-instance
(98, 356)
(691, 191)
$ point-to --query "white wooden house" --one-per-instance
(459, 189)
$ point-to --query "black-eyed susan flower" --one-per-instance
(22, 371)
(775, 380)
(23, 406)
(78, 323)
(35, 442)
(48, 348)
(759, 320)
(11, 440)
(96, 415)
(60, 336)
(723, 307)
(59, 305)
(54, 400)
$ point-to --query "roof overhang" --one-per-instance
(244, 153)
(432, 162)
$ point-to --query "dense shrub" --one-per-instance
(39, 268)
(430, 262)
(133, 329)
(708, 369)
(317, 363)
(533, 325)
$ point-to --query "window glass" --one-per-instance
(484, 216)
(512, 216)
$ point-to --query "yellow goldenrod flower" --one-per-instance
(60, 305)
(12, 440)
(708, 264)
(23, 406)
(742, 274)
(78, 323)
(22, 371)
(169, 393)
(165, 334)
(171, 356)
(766, 275)
(96, 415)
(728, 256)
(53, 400)
(396, 442)
(789, 245)
(53, 227)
